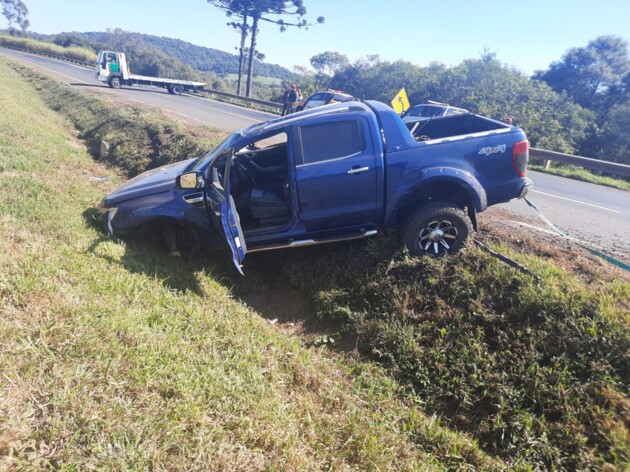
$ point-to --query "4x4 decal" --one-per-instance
(493, 150)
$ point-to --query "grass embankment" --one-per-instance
(74, 52)
(584, 175)
(537, 375)
(115, 357)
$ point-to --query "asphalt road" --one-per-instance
(209, 112)
(594, 215)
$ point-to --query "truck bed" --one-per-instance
(143, 79)
(450, 126)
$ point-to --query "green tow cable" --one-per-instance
(606, 257)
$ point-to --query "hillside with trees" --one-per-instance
(197, 57)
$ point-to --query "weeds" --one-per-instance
(527, 371)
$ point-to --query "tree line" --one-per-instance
(579, 105)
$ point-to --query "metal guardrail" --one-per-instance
(589, 163)
(233, 98)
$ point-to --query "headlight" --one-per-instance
(110, 216)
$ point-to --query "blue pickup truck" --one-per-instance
(333, 173)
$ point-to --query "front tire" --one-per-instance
(115, 82)
(176, 89)
(436, 230)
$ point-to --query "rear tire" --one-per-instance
(436, 230)
(115, 82)
(176, 89)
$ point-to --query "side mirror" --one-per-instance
(191, 180)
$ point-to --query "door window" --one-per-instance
(327, 141)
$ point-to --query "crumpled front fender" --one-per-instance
(134, 214)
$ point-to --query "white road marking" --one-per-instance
(553, 233)
(191, 118)
(146, 103)
(575, 201)
(83, 82)
(59, 73)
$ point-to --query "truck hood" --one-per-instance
(161, 179)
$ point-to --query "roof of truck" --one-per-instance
(333, 109)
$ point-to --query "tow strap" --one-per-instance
(508, 261)
(606, 257)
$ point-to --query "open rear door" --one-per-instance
(222, 210)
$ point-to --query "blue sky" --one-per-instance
(528, 35)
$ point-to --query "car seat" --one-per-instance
(270, 203)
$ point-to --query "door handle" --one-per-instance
(356, 170)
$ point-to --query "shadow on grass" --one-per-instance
(282, 285)
(278, 285)
(146, 255)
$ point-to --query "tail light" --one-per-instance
(520, 157)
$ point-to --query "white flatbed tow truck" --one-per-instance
(112, 69)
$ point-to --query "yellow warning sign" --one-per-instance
(400, 102)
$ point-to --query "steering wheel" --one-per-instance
(240, 169)
(241, 181)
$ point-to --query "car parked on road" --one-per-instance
(325, 97)
(426, 111)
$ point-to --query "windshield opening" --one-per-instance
(210, 155)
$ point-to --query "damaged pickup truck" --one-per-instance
(333, 173)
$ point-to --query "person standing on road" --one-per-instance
(285, 102)
(292, 99)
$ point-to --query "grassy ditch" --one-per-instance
(136, 140)
(115, 357)
(537, 376)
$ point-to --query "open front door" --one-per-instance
(222, 210)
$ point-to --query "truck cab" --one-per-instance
(111, 68)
